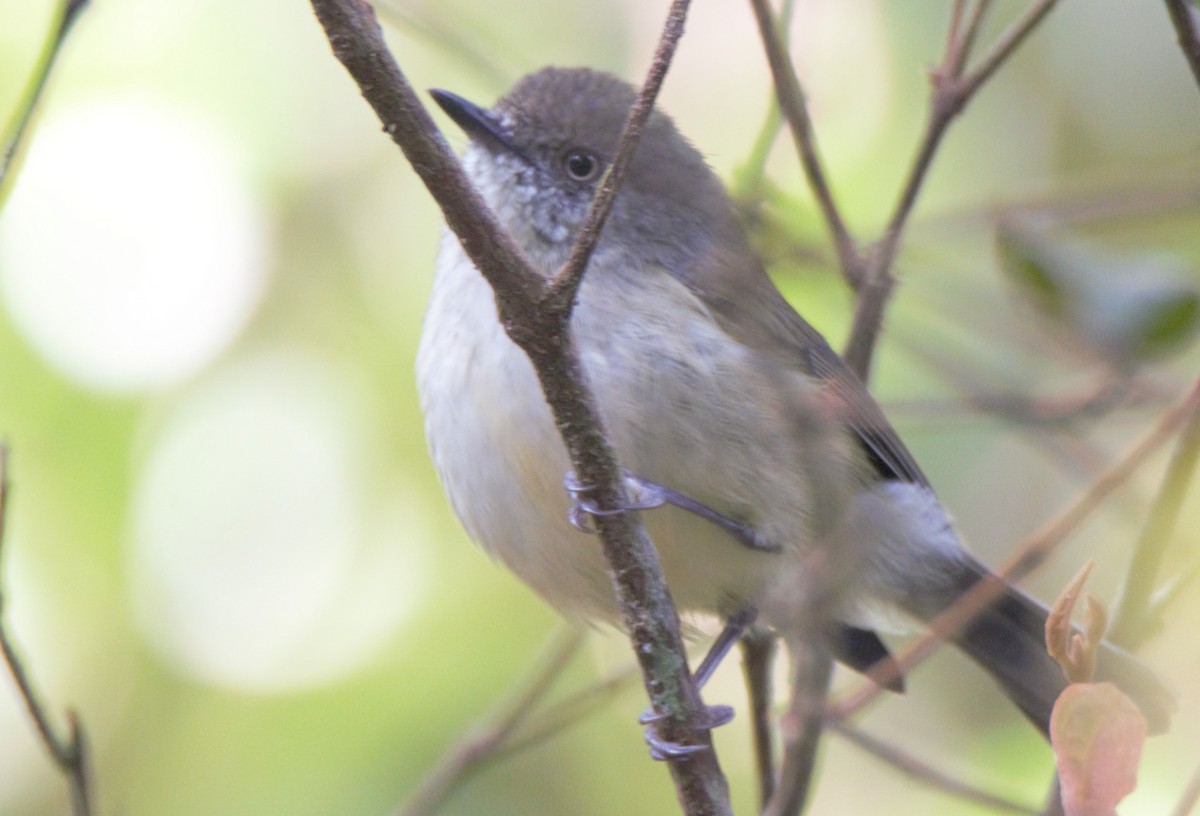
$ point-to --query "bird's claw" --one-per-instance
(645, 496)
(666, 750)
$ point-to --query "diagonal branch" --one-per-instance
(1136, 615)
(1190, 796)
(566, 281)
(1031, 554)
(952, 90)
(914, 768)
(1186, 20)
(486, 739)
(542, 330)
(70, 754)
(17, 129)
(790, 95)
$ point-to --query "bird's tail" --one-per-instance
(1008, 641)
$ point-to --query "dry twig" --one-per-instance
(485, 740)
(70, 754)
(1031, 554)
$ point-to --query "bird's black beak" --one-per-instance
(477, 122)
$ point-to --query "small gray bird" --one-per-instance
(711, 387)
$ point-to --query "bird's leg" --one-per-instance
(648, 495)
(717, 715)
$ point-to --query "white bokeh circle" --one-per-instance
(265, 555)
(132, 250)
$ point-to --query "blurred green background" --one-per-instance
(227, 549)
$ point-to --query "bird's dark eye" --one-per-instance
(581, 165)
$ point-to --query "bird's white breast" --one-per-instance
(502, 463)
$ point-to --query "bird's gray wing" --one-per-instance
(733, 285)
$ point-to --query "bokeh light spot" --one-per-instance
(264, 554)
(132, 250)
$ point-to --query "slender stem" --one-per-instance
(1186, 20)
(960, 40)
(951, 93)
(566, 281)
(566, 712)
(914, 768)
(803, 724)
(71, 754)
(758, 655)
(17, 129)
(542, 329)
(1032, 552)
(790, 95)
(1190, 796)
(485, 740)
(358, 44)
(450, 37)
(1135, 616)
(751, 177)
(1006, 45)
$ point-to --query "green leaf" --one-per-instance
(1126, 308)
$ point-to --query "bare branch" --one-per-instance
(914, 768)
(17, 129)
(566, 281)
(959, 39)
(70, 754)
(804, 721)
(804, 613)
(1186, 20)
(1135, 617)
(751, 177)
(567, 711)
(1189, 797)
(1004, 47)
(1032, 552)
(758, 656)
(448, 36)
(541, 328)
(485, 740)
(358, 44)
(790, 95)
(951, 93)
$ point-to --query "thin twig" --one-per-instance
(1005, 45)
(566, 712)
(951, 92)
(566, 281)
(449, 37)
(1190, 796)
(485, 740)
(542, 330)
(1032, 552)
(1174, 588)
(804, 721)
(1186, 20)
(914, 768)
(1135, 618)
(759, 646)
(752, 174)
(790, 95)
(18, 127)
(71, 754)
(960, 40)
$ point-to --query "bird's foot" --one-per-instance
(666, 750)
